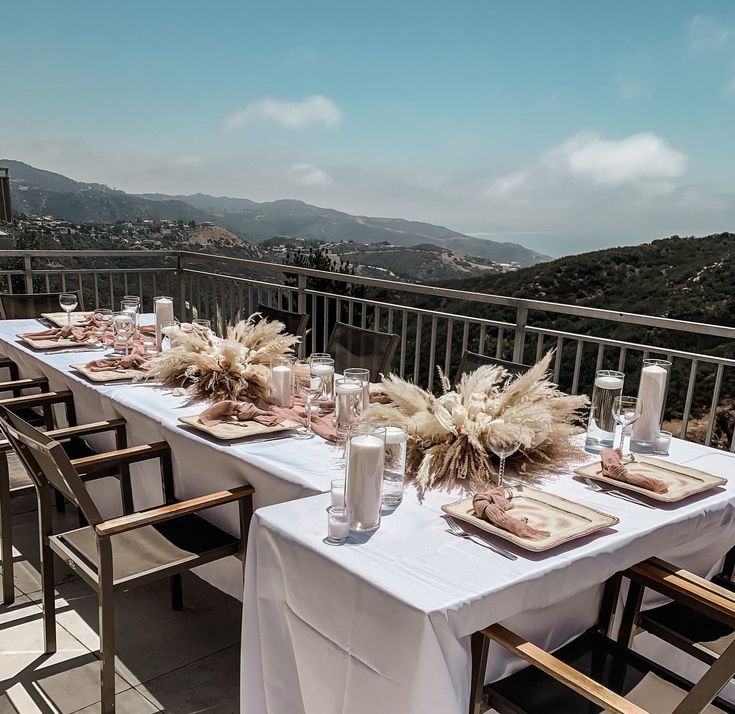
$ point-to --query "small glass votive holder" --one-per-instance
(338, 524)
(338, 492)
(661, 443)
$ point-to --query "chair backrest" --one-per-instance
(354, 347)
(47, 463)
(18, 306)
(295, 322)
(472, 360)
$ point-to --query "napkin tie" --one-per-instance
(613, 467)
(493, 507)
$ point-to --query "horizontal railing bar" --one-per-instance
(253, 281)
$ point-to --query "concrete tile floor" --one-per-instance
(172, 661)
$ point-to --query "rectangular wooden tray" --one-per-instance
(110, 375)
(681, 480)
(57, 344)
(228, 431)
(564, 519)
(59, 318)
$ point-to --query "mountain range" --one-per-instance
(43, 192)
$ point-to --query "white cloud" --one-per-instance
(315, 110)
(308, 175)
(507, 185)
(638, 158)
(708, 33)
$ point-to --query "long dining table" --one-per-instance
(279, 468)
(383, 624)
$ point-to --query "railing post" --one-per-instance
(181, 288)
(28, 273)
(301, 303)
(519, 341)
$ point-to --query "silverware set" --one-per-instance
(614, 492)
(457, 530)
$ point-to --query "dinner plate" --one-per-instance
(564, 519)
(108, 375)
(59, 318)
(681, 480)
(233, 429)
(45, 344)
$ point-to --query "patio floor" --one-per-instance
(172, 661)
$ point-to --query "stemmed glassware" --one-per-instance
(102, 318)
(124, 327)
(308, 388)
(131, 305)
(503, 451)
(626, 411)
(202, 325)
(68, 303)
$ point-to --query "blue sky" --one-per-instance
(561, 125)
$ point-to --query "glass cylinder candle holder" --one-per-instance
(324, 367)
(364, 460)
(169, 329)
(318, 355)
(662, 443)
(163, 311)
(601, 424)
(364, 376)
(347, 403)
(282, 381)
(652, 395)
(394, 467)
(338, 524)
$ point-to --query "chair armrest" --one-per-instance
(38, 400)
(173, 510)
(23, 383)
(686, 588)
(561, 671)
(131, 455)
(96, 427)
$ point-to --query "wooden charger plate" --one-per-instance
(564, 519)
(681, 480)
(229, 430)
(110, 375)
(59, 318)
(42, 344)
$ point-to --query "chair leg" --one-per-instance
(479, 646)
(6, 533)
(48, 599)
(107, 640)
(177, 593)
(59, 501)
(631, 612)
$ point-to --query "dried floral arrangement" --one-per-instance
(232, 367)
(450, 437)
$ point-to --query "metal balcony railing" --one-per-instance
(435, 324)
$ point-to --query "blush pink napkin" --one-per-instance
(79, 334)
(613, 467)
(137, 359)
(244, 411)
(492, 506)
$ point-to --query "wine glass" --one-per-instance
(202, 325)
(131, 305)
(102, 318)
(626, 411)
(308, 388)
(503, 450)
(124, 327)
(68, 302)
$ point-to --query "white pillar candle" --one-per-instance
(365, 481)
(346, 393)
(338, 495)
(651, 392)
(281, 386)
(164, 312)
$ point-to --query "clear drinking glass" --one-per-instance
(337, 491)
(124, 327)
(168, 328)
(202, 324)
(102, 318)
(364, 376)
(308, 388)
(318, 355)
(626, 411)
(68, 303)
(503, 451)
(601, 424)
(394, 473)
(347, 402)
(131, 305)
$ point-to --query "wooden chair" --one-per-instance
(18, 306)
(295, 322)
(354, 347)
(13, 373)
(472, 360)
(121, 553)
(594, 673)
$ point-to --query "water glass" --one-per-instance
(627, 411)
(202, 325)
(338, 524)
(68, 303)
(102, 317)
(308, 388)
(601, 425)
(123, 327)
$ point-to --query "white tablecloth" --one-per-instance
(279, 469)
(384, 625)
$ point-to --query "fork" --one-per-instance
(456, 529)
(614, 492)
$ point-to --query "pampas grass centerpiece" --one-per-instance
(451, 436)
(232, 367)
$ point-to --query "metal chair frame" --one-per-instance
(391, 343)
(290, 319)
(42, 302)
(470, 361)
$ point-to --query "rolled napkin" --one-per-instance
(613, 467)
(244, 411)
(492, 506)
